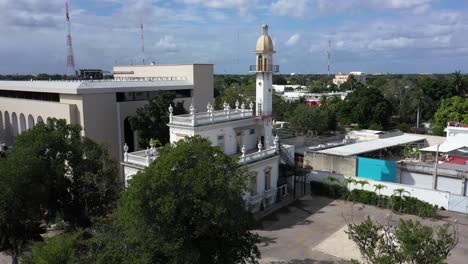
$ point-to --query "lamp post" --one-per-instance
(434, 176)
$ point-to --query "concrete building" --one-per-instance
(244, 131)
(102, 107)
(341, 78)
(280, 88)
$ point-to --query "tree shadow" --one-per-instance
(307, 261)
(295, 214)
(266, 241)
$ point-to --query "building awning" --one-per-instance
(445, 147)
(371, 145)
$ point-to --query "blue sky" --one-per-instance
(375, 36)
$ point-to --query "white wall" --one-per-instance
(439, 198)
(416, 179)
(451, 185)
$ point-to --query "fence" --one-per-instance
(458, 203)
(439, 198)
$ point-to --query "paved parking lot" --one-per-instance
(311, 230)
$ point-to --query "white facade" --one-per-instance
(457, 133)
(279, 88)
(341, 78)
(100, 107)
(244, 131)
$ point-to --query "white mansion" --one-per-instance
(244, 131)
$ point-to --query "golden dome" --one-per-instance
(264, 42)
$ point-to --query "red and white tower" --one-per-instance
(70, 57)
(142, 45)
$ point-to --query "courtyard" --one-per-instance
(311, 230)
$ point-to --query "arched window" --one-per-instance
(30, 121)
(22, 122)
(40, 120)
(14, 124)
(253, 184)
(267, 172)
(129, 135)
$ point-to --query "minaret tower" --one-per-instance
(264, 69)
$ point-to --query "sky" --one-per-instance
(374, 36)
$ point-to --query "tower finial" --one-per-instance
(265, 29)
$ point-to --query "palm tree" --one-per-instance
(458, 82)
(332, 179)
(378, 188)
(348, 182)
(362, 183)
(400, 193)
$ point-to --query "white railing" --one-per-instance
(257, 155)
(204, 118)
(142, 157)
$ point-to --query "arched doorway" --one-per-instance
(22, 122)
(2, 130)
(7, 128)
(14, 125)
(40, 120)
(30, 121)
(129, 135)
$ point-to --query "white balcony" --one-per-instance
(211, 116)
(257, 155)
(142, 158)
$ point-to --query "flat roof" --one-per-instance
(445, 147)
(95, 86)
(371, 145)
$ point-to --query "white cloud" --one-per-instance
(293, 8)
(242, 5)
(167, 44)
(293, 40)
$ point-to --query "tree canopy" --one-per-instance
(409, 242)
(365, 106)
(151, 120)
(53, 172)
(316, 118)
(450, 109)
(187, 207)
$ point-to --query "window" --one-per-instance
(40, 96)
(253, 184)
(252, 131)
(259, 109)
(221, 141)
(267, 179)
(143, 96)
(239, 133)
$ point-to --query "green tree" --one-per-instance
(363, 183)
(365, 106)
(23, 199)
(450, 109)
(378, 189)
(348, 182)
(187, 207)
(53, 171)
(409, 242)
(151, 119)
(319, 119)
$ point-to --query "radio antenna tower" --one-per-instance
(142, 44)
(328, 52)
(70, 57)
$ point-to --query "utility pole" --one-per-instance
(142, 45)
(434, 176)
(328, 52)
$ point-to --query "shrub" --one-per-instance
(405, 204)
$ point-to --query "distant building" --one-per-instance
(341, 78)
(102, 108)
(280, 88)
(90, 74)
